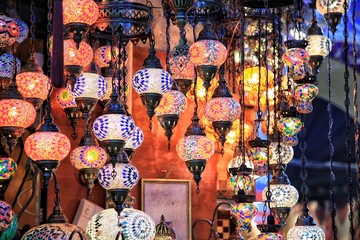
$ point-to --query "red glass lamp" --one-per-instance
(9, 31)
(78, 16)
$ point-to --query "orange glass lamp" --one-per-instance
(16, 115)
(88, 158)
(9, 31)
(67, 102)
(222, 110)
(171, 106)
(296, 53)
(76, 59)
(47, 146)
(253, 75)
(78, 16)
(33, 83)
(207, 54)
(103, 55)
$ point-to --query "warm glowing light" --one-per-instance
(79, 57)
(319, 45)
(181, 67)
(222, 109)
(306, 232)
(242, 185)
(9, 31)
(195, 147)
(47, 146)
(7, 168)
(208, 53)
(88, 157)
(16, 113)
(33, 85)
(152, 80)
(135, 224)
(89, 85)
(126, 176)
(289, 125)
(173, 102)
(258, 154)
(136, 138)
(7, 63)
(282, 195)
(252, 76)
(102, 55)
(113, 127)
(65, 99)
(80, 11)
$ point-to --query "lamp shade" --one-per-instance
(6, 215)
(103, 54)
(295, 56)
(136, 138)
(258, 154)
(335, 6)
(290, 140)
(181, 67)
(135, 225)
(282, 195)
(280, 152)
(208, 52)
(7, 63)
(304, 107)
(305, 92)
(80, 11)
(7, 168)
(222, 109)
(89, 85)
(306, 232)
(242, 184)
(54, 231)
(253, 75)
(33, 85)
(81, 56)
(10, 232)
(319, 45)
(113, 127)
(23, 30)
(126, 176)
(297, 72)
(195, 147)
(9, 31)
(269, 236)
(244, 213)
(172, 102)
(47, 146)
(65, 99)
(152, 80)
(289, 125)
(16, 113)
(88, 157)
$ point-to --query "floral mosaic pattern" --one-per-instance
(6, 215)
(10, 232)
(282, 195)
(222, 109)
(173, 102)
(7, 63)
(289, 125)
(47, 146)
(244, 213)
(79, 57)
(16, 113)
(318, 45)
(195, 147)
(152, 80)
(33, 85)
(305, 92)
(9, 31)
(65, 99)
(102, 55)
(181, 67)
(113, 126)
(23, 30)
(136, 138)
(269, 236)
(306, 232)
(89, 85)
(283, 152)
(88, 157)
(80, 11)
(208, 52)
(295, 56)
(123, 176)
(258, 154)
(55, 231)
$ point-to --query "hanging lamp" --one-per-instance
(290, 125)
(9, 31)
(164, 231)
(335, 13)
(152, 82)
(207, 54)
(7, 71)
(134, 142)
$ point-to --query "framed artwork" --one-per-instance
(171, 198)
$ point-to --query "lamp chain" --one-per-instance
(347, 119)
(356, 109)
(278, 76)
(32, 27)
(259, 113)
(331, 146)
(49, 29)
(303, 159)
(167, 13)
(124, 70)
(56, 190)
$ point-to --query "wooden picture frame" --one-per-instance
(171, 198)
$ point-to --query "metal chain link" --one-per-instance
(32, 26)
(56, 190)
(49, 30)
(303, 159)
(331, 146)
(356, 108)
(259, 113)
(124, 71)
(347, 120)
(167, 13)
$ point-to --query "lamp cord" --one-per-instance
(356, 110)
(331, 146)
(347, 119)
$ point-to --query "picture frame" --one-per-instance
(171, 198)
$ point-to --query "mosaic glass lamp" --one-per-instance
(23, 30)
(270, 236)
(55, 231)
(296, 53)
(7, 70)
(172, 105)
(9, 31)
(164, 231)
(103, 55)
(78, 16)
(336, 11)
(258, 154)
(134, 142)
(134, 224)
(244, 213)
(10, 232)
(33, 83)
(280, 151)
(7, 215)
(305, 93)
(289, 123)
(207, 54)
(253, 75)
(7, 168)
(152, 82)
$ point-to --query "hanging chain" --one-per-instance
(347, 120)
(356, 109)
(259, 113)
(195, 81)
(56, 190)
(124, 72)
(32, 27)
(303, 159)
(277, 84)
(331, 146)
(167, 13)
(49, 30)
